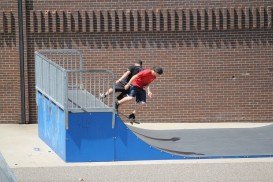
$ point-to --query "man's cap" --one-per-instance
(158, 70)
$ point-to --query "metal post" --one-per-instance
(81, 83)
(113, 116)
(65, 103)
(22, 62)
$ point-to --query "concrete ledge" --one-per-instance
(217, 170)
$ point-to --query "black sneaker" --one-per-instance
(132, 118)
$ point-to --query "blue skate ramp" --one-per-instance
(91, 137)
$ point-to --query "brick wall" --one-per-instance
(217, 56)
(9, 64)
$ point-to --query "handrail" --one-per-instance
(92, 70)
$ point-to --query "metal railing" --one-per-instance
(85, 86)
(69, 86)
(68, 59)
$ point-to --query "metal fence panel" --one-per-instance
(50, 79)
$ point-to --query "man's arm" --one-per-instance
(149, 91)
(123, 76)
(130, 82)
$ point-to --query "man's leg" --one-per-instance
(103, 95)
(119, 87)
(109, 91)
(122, 101)
(131, 95)
(125, 99)
(137, 107)
(141, 100)
(122, 95)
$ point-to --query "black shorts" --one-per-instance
(119, 87)
(138, 93)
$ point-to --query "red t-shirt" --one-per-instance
(144, 78)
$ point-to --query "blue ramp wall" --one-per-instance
(51, 125)
(90, 136)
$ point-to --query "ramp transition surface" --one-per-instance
(211, 143)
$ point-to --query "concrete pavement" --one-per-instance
(32, 160)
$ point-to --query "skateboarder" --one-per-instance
(137, 85)
(123, 80)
